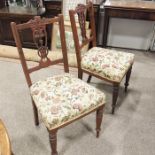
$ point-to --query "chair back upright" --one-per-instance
(83, 12)
(38, 27)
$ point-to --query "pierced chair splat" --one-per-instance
(105, 64)
(59, 99)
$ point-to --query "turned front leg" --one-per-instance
(53, 142)
(127, 79)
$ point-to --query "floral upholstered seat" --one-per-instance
(107, 63)
(63, 98)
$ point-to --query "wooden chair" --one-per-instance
(105, 64)
(60, 99)
(5, 146)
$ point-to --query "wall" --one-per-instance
(129, 33)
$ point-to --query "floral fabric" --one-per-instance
(109, 64)
(62, 98)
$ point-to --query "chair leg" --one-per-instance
(115, 96)
(89, 78)
(80, 74)
(35, 111)
(53, 142)
(127, 79)
(99, 115)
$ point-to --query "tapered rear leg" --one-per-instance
(35, 111)
(89, 78)
(80, 74)
(115, 96)
(99, 116)
(127, 78)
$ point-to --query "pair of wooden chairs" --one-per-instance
(63, 99)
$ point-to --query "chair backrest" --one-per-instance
(39, 27)
(55, 42)
(83, 12)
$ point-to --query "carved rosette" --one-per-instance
(40, 37)
(81, 12)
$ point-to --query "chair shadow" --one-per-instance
(33, 142)
(82, 129)
(108, 90)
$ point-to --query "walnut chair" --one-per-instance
(105, 64)
(59, 99)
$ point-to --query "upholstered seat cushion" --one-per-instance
(110, 64)
(63, 98)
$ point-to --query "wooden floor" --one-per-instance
(5, 148)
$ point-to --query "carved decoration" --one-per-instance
(40, 37)
(81, 10)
